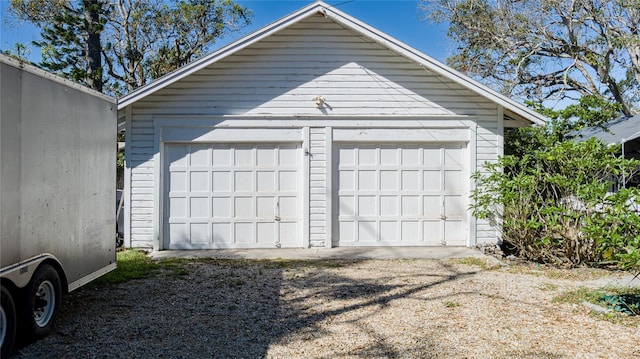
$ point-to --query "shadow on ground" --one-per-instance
(227, 309)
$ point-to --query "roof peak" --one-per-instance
(345, 20)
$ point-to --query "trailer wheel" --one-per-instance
(43, 298)
(7, 323)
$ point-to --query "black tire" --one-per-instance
(43, 297)
(7, 323)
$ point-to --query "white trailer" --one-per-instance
(57, 189)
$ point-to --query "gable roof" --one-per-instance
(348, 22)
(619, 130)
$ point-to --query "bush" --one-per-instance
(553, 204)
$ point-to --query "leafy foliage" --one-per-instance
(547, 49)
(553, 202)
(624, 303)
(125, 44)
(71, 45)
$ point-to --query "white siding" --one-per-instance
(140, 160)
(279, 77)
(318, 193)
(488, 138)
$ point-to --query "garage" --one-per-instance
(402, 195)
(315, 131)
(232, 196)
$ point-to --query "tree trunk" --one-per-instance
(94, 47)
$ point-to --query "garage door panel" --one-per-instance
(266, 207)
(199, 233)
(347, 156)
(221, 207)
(232, 196)
(265, 157)
(454, 232)
(243, 207)
(178, 181)
(347, 181)
(176, 155)
(199, 207)
(243, 181)
(389, 180)
(389, 206)
(367, 231)
(288, 181)
(199, 156)
(199, 181)
(410, 180)
(178, 232)
(410, 231)
(347, 232)
(454, 157)
(367, 180)
(389, 156)
(410, 156)
(454, 207)
(453, 181)
(389, 231)
(221, 233)
(266, 181)
(367, 206)
(178, 207)
(406, 194)
(347, 206)
(243, 232)
(431, 180)
(266, 232)
(432, 232)
(287, 207)
(243, 156)
(221, 157)
(432, 206)
(410, 206)
(288, 232)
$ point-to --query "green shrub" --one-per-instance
(553, 204)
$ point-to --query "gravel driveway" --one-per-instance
(417, 308)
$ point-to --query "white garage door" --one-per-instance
(232, 196)
(402, 195)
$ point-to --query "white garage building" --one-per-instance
(315, 131)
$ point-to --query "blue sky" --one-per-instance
(398, 18)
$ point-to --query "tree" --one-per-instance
(124, 44)
(19, 52)
(70, 39)
(547, 49)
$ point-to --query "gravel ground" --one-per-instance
(418, 308)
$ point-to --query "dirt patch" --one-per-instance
(418, 308)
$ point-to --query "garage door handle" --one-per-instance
(277, 218)
(443, 217)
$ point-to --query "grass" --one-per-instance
(541, 270)
(482, 263)
(451, 304)
(134, 264)
(596, 296)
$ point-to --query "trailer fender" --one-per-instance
(20, 274)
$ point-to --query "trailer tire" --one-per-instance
(7, 323)
(43, 298)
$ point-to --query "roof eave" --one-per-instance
(349, 22)
(434, 65)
